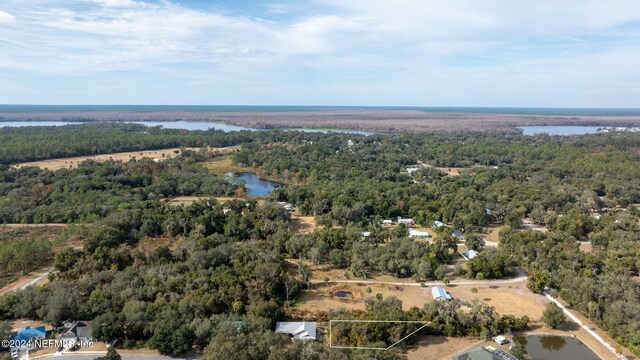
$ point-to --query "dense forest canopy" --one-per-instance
(212, 263)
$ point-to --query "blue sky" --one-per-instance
(540, 53)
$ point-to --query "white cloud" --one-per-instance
(409, 47)
(6, 18)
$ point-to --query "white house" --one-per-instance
(418, 234)
(468, 255)
(287, 206)
(387, 222)
(411, 170)
(406, 221)
(365, 234)
(437, 224)
(298, 330)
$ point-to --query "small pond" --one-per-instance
(344, 294)
(560, 130)
(253, 183)
(555, 348)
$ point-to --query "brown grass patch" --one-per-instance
(305, 224)
(69, 163)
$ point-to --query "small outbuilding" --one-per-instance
(500, 340)
(439, 293)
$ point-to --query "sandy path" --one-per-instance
(26, 281)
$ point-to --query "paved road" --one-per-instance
(519, 278)
(586, 328)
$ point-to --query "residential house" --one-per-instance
(25, 336)
(458, 234)
(417, 234)
(477, 353)
(287, 206)
(387, 222)
(411, 170)
(438, 224)
(79, 331)
(365, 234)
(468, 255)
(298, 330)
(406, 221)
(439, 293)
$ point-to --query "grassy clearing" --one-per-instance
(188, 200)
(223, 165)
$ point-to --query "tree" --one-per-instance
(112, 354)
(554, 317)
(5, 330)
(519, 351)
(474, 242)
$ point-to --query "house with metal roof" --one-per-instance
(476, 353)
(25, 335)
(418, 234)
(298, 330)
(468, 255)
(439, 293)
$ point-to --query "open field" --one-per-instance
(188, 200)
(223, 165)
(377, 120)
(68, 163)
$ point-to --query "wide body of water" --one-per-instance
(253, 183)
(35, 123)
(556, 348)
(560, 130)
(254, 108)
(183, 125)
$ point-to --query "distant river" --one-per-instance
(203, 125)
(185, 125)
(35, 123)
(560, 130)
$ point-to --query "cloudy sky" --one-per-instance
(546, 53)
